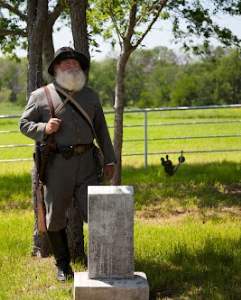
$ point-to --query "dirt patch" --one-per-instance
(233, 189)
(154, 215)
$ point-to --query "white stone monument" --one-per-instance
(111, 248)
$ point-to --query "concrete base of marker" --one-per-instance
(136, 288)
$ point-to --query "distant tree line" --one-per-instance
(159, 77)
(155, 77)
(13, 81)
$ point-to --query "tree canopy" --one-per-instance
(155, 77)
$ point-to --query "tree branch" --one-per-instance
(132, 22)
(138, 20)
(9, 32)
(119, 34)
(14, 10)
(162, 5)
(53, 16)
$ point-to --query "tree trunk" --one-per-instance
(37, 12)
(119, 109)
(48, 46)
(79, 25)
(37, 17)
(48, 51)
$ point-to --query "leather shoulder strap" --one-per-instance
(50, 101)
(80, 109)
(52, 113)
(82, 112)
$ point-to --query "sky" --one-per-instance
(160, 35)
(156, 37)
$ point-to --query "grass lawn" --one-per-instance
(187, 234)
(199, 126)
(187, 227)
(22, 276)
(185, 260)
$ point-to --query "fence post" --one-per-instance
(145, 139)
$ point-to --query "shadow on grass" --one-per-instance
(15, 191)
(207, 185)
(208, 273)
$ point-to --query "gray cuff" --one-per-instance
(40, 134)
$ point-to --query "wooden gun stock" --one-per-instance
(41, 210)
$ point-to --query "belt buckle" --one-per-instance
(79, 149)
(68, 152)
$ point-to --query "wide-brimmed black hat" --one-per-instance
(65, 53)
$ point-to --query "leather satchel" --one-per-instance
(99, 159)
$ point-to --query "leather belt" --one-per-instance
(71, 150)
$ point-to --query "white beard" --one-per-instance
(72, 80)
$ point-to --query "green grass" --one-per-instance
(9, 108)
(187, 234)
(154, 132)
(195, 187)
(187, 227)
(22, 276)
(192, 260)
(189, 261)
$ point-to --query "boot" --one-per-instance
(77, 251)
(75, 233)
(82, 258)
(58, 241)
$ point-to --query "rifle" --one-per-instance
(40, 207)
(41, 157)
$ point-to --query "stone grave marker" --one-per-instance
(111, 248)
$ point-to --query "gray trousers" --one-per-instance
(67, 181)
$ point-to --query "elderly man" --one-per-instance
(67, 176)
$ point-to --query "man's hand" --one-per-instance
(109, 171)
(52, 126)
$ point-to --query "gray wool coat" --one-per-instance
(67, 179)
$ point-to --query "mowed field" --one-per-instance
(187, 227)
(190, 127)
